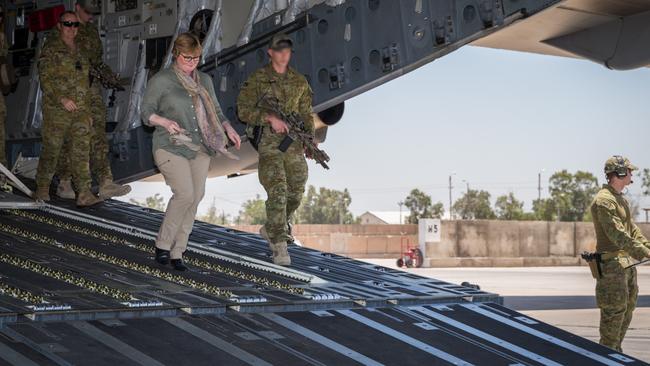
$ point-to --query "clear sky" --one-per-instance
(494, 118)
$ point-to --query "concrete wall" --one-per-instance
(359, 241)
(463, 243)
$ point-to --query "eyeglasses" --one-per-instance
(191, 58)
(70, 24)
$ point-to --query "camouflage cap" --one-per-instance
(618, 164)
(91, 6)
(280, 41)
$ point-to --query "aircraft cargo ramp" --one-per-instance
(81, 287)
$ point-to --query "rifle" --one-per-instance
(107, 78)
(296, 131)
(638, 263)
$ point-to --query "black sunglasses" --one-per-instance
(70, 24)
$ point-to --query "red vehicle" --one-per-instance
(411, 255)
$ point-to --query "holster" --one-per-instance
(594, 266)
(594, 260)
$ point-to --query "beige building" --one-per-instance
(384, 217)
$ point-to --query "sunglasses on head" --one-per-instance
(70, 24)
(190, 58)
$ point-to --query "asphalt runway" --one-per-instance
(561, 296)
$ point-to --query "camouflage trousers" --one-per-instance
(3, 118)
(59, 126)
(283, 175)
(100, 165)
(616, 295)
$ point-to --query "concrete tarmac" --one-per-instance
(561, 296)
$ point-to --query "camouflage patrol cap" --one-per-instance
(280, 41)
(619, 165)
(91, 6)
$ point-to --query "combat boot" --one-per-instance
(280, 254)
(87, 198)
(64, 190)
(108, 189)
(42, 194)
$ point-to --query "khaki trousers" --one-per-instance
(186, 178)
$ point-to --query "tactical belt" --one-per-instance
(616, 254)
(595, 259)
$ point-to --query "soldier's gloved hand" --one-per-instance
(69, 104)
(278, 125)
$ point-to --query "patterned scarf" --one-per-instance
(209, 118)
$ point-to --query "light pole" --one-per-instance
(451, 209)
(539, 185)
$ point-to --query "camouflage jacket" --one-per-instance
(291, 89)
(615, 229)
(89, 42)
(63, 73)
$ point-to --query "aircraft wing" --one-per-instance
(614, 33)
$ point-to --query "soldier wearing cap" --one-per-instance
(63, 72)
(618, 240)
(90, 46)
(283, 174)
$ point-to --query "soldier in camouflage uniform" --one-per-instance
(283, 174)
(91, 47)
(63, 73)
(617, 240)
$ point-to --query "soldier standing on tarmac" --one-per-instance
(618, 240)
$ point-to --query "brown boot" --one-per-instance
(109, 189)
(87, 198)
(42, 194)
(280, 254)
(64, 190)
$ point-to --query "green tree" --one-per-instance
(509, 208)
(253, 212)
(572, 194)
(544, 209)
(156, 202)
(645, 184)
(325, 206)
(474, 204)
(213, 217)
(420, 206)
